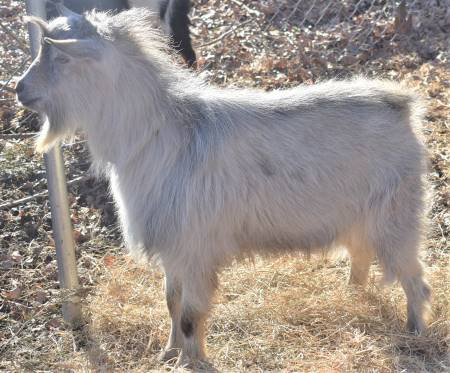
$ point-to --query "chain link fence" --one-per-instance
(360, 25)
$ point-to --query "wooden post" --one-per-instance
(57, 189)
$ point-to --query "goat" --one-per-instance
(173, 17)
(202, 175)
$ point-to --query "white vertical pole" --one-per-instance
(56, 180)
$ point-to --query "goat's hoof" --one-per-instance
(356, 284)
(354, 280)
(184, 362)
(415, 327)
(195, 365)
(187, 362)
(169, 355)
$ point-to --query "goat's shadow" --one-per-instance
(96, 355)
(99, 360)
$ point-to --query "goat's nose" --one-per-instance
(19, 86)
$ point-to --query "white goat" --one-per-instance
(203, 175)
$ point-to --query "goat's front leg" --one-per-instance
(197, 291)
(173, 299)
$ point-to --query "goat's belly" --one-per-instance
(309, 242)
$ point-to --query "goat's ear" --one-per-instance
(63, 10)
(77, 48)
(38, 22)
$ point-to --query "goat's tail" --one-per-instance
(405, 100)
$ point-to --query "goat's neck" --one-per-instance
(138, 112)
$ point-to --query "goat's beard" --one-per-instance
(47, 137)
(53, 129)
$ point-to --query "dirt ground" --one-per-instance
(292, 314)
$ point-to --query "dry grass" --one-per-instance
(288, 314)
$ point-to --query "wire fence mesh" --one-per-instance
(361, 20)
(360, 24)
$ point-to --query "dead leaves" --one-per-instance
(109, 260)
(12, 294)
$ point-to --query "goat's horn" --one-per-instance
(80, 48)
(60, 42)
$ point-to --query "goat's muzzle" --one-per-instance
(24, 97)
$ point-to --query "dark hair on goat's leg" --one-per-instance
(197, 294)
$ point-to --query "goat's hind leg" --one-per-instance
(399, 259)
(407, 268)
(396, 235)
(418, 294)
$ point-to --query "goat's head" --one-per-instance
(74, 78)
(62, 82)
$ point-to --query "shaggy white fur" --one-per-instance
(203, 175)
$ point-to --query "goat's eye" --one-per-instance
(62, 59)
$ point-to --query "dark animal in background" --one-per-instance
(173, 16)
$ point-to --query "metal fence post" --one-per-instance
(56, 180)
